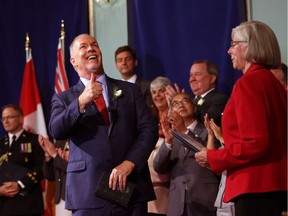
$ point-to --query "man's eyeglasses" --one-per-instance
(234, 43)
(184, 101)
(9, 117)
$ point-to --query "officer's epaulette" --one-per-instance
(4, 139)
(24, 134)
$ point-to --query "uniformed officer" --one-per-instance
(20, 167)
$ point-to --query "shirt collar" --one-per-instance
(192, 126)
(17, 134)
(131, 79)
(203, 95)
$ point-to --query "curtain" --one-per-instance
(168, 35)
(42, 20)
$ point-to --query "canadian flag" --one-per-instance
(30, 101)
(32, 108)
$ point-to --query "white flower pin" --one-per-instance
(200, 101)
(117, 93)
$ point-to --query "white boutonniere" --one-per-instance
(200, 101)
(117, 93)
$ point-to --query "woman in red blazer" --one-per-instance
(254, 127)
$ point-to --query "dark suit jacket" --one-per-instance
(55, 170)
(144, 86)
(189, 181)
(94, 148)
(214, 104)
(31, 200)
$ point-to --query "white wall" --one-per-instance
(274, 14)
(110, 29)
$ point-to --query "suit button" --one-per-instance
(184, 183)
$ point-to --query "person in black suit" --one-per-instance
(22, 196)
(203, 80)
(126, 63)
(119, 143)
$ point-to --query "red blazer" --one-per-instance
(254, 126)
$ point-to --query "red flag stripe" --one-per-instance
(30, 101)
(62, 69)
(61, 81)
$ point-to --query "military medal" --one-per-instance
(22, 148)
(26, 147)
(29, 147)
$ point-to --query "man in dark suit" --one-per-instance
(120, 143)
(203, 80)
(21, 196)
(193, 190)
(126, 63)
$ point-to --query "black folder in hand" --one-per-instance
(11, 172)
(191, 142)
(117, 196)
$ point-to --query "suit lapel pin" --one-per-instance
(117, 92)
(200, 101)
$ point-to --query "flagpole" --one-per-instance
(61, 81)
(62, 39)
(27, 46)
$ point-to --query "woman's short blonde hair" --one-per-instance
(262, 44)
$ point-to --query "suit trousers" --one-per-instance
(193, 208)
(138, 209)
(264, 204)
(196, 209)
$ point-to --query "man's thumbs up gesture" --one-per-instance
(92, 91)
